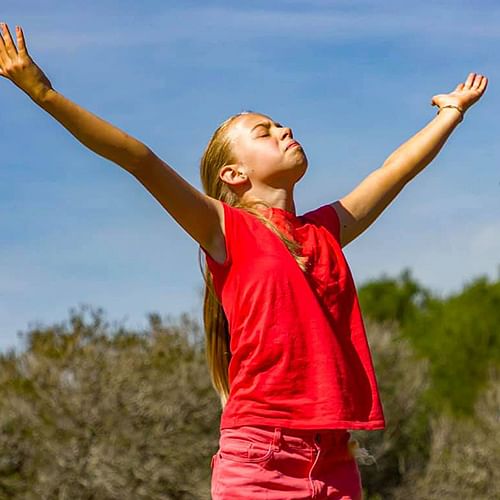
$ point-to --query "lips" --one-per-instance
(292, 144)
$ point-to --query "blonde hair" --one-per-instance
(217, 154)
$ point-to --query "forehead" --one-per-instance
(244, 123)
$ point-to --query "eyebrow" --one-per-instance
(265, 124)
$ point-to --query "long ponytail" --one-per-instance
(217, 341)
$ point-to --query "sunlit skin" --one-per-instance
(265, 168)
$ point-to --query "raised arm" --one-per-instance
(200, 215)
(361, 207)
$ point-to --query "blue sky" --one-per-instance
(354, 80)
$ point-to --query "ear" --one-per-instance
(234, 174)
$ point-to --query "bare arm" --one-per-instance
(197, 213)
(361, 207)
(98, 135)
(200, 215)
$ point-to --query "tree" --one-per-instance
(393, 299)
(89, 413)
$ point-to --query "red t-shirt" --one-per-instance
(299, 353)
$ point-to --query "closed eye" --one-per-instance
(266, 126)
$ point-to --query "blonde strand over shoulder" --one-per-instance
(217, 337)
(292, 245)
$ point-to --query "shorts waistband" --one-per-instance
(300, 438)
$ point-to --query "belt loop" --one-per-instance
(276, 439)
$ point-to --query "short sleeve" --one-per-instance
(228, 230)
(327, 217)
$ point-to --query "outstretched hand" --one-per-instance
(465, 94)
(16, 65)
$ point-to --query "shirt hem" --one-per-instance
(296, 424)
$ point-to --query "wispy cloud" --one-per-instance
(281, 22)
(353, 79)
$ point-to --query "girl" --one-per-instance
(285, 341)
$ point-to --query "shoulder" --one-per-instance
(231, 224)
(327, 216)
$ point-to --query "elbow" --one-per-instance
(135, 158)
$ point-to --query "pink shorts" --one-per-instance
(276, 463)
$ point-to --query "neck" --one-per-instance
(281, 200)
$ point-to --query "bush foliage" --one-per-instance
(94, 411)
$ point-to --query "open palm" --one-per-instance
(465, 94)
(17, 66)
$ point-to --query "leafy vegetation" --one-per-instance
(91, 410)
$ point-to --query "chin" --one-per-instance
(305, 163)
(302, 170)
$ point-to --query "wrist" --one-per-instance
(41, 95)
(451, 111)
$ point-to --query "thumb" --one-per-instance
(460, 86)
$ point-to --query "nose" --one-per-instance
(286, 131)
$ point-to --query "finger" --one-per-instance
(20, 41)
(470, 79)
(483, 84)
(460, 86)
(477, 81)
(9, 44)
(3, 52)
